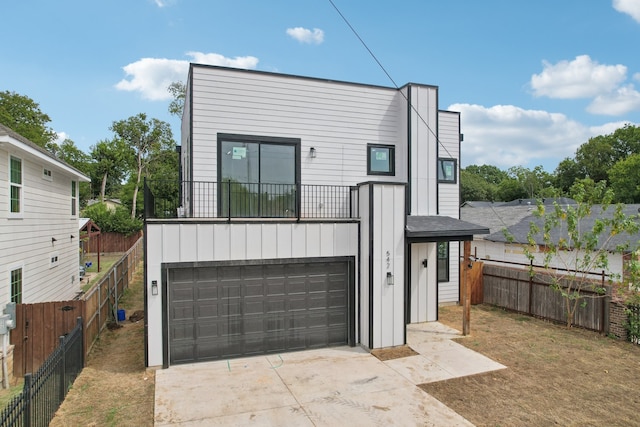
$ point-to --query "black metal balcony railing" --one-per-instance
(229, 199)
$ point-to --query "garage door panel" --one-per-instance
(232, 311)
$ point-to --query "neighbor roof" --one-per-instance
(30, 147)
(520, 230)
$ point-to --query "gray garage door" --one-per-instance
(227, 311)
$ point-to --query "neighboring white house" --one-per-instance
(312, 213)
(38, 223)
(516, 217)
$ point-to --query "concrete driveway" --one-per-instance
(327, 387)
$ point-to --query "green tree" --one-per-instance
(474, 187)
(580, 238)
(144, 136)
(68, 152)
(112, 159)
(491, 174)
(566, 174)
(116, 221)
(178, 91)
(23, 115)
(624, 178)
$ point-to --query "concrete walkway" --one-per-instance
(327, 387)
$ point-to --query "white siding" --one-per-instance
(449, 147)
(449, 291)
(193, 243)
(386, 222)
(424, 153)
(337, 119)
(28, 240)
(489, 252)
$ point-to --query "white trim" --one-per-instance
(54, 259)
(11, 269)
(42, 156)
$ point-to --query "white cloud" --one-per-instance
(152, 76)
(304, 35)
(164, 3)
(580, 78)
(630, 7)
(621, 101)
(61, 136)
(506, 135)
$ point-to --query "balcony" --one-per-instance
(236, 200)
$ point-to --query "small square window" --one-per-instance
(381, 159)
(47, 174)
(447, 171)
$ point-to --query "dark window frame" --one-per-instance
(443, 273)
(441, 176)
(260, 140)
(392, 159)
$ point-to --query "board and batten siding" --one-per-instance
(449, 199)
(424, 152)
(215, 241)
(27, 241)
(337, 119)
(382, 248)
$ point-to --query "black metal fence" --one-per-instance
(44, 391)
(230, 199)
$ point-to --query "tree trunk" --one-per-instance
(135, 191)
(103, 186)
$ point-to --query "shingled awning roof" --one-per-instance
(440, 228)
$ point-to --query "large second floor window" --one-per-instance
(258, 176)
(15, 185)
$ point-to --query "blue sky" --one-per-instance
(532, 79)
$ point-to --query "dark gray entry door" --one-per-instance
(241, 310)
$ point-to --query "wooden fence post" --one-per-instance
(466, 295)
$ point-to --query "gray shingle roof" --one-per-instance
(520, 229)
(441, 228)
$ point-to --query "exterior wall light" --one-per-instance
(389, 278)
(154, 287)
(312, 152)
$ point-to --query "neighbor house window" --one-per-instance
(447, 171)
(53, 260)
(15, 183)
(47, 174)
(258, 176)
(74, 198)
(16, 285)
(381, 159)
(443, 261)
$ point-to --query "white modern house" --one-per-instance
(311, 213)
(38, 223)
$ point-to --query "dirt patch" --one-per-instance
(391, 353)
(554, 376)
(114, 388)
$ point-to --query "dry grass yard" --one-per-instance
(555, 376)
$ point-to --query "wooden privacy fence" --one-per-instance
(515, 289)
(39, 326)
(111, 242)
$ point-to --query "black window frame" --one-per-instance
(443, 273)
(257, 139)
(392, 159)
(441, 177)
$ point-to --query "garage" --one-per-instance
(223, 310)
